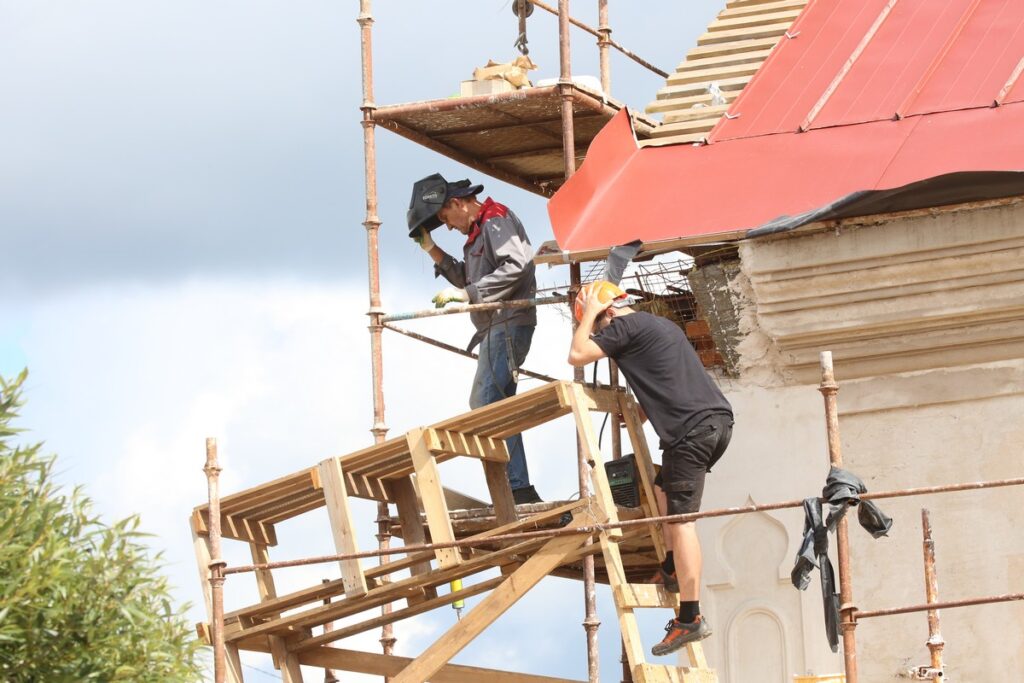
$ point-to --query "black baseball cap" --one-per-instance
(429, 195)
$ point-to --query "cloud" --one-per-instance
(179, 138)
(126, 384)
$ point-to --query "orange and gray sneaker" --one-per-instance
(678, 634)
(665, 579)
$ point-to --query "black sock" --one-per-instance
(689, 611)
(669, 565)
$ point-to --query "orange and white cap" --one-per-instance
(606, 292)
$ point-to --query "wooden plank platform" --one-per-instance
(732, 50)
(251, 515)
(513, 136)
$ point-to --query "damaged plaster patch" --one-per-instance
(726, 295)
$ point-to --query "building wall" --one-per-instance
(924, 314)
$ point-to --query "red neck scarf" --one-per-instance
(488, 210)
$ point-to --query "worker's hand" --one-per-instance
(422, 238)
(450, 294)
(594, 306)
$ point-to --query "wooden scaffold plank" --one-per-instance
(342, 527)
(432, 494)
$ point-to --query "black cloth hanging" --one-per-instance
(842, 491)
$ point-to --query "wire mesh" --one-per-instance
(666, 287)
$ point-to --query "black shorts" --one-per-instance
(684, 465)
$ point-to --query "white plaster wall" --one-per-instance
(762, 624)
(925, 315)
(905, 439)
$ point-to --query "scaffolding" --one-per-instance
(447, 536)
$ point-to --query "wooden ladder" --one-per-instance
(632, 596)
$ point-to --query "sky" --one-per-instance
(183, 256)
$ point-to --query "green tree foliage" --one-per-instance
(80, 600)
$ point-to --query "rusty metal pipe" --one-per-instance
(930, 606)
(604, 37)
(931, 589)
(217, 563)
(642, 62)
(847, 609)
(590, 621)
(461, 352)
(645, 521)
(372, 225)
(470, 308)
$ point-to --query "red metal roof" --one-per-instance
(859, 96)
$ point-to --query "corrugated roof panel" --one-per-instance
(985, 139)
(979, 63)
(1013, 89)
(847, 68)
(801, 69)
(901, 54)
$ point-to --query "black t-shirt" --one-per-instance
(664, 371)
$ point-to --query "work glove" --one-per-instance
(422, 238)
(450, 294)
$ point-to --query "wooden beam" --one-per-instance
(592, 453)
(201, 547)
(283, 660)
(434, 505)
(386, 665)
(496, 475)
(451, 442)
(644, 466)
(237, 528)
(640, 595)
(464, 158)
(342, 526)
(404, 494)
(550, 556)
(234, 668)
(398, 615)
(292, 623)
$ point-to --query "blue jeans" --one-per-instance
(494, 382)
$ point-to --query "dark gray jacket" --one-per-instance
(497, 265)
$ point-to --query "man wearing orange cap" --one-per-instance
(687, 410)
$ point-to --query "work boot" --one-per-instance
(525, 495)
(667, 580)
(678, 634)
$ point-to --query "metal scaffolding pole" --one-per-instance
(847, 609)
(604, 40)
(590, 623)
(372, 225)
(931, 589)
(217, 563)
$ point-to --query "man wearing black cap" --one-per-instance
(497, 265)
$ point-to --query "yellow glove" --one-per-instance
(450, 294)
(422, 238)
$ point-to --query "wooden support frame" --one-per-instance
(450, 442)
(336, 494)
(432, 494)
(388, 665)
(406, 471)
(512, 588)
(284, 660)
(408, 503)
(631, 596)
(645, 467)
